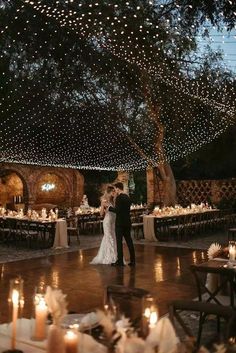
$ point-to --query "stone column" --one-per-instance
(123, 176)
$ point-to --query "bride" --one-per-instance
(107, 253)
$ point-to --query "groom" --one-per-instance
(123, 225)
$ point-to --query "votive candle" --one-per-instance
(71, 342)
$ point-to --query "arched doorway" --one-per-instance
(13, 189)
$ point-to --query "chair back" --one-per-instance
(72, 222)
(127, 301)
(179, 308)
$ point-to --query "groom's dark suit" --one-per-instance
(123, 226)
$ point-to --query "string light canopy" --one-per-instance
(107, 85)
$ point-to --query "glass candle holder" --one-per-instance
(71, 341)
(150, 314)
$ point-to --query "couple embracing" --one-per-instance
(115, 206)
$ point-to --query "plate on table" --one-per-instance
(85, 321)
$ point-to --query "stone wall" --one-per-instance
(68, 184)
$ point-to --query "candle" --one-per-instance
(106, 308)
(15, 301)
(147, 313)
(71, 342)
(232, 253)
(153, 319)
(40, 319)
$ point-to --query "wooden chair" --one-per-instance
(93, 224)
(231, 233)
(137, 226)
(127, 301)
(183, 228)
(72, 229)
(177, 308)
(162, 227)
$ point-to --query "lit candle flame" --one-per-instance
(147, 313)
(15, 297)
(153, 318)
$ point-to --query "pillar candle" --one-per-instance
(15, 300)
(40, 320)
(71, 342)
(232, 253)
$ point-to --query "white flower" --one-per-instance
(213, 249)
(124, 323)
(56, 303)
(106, 321)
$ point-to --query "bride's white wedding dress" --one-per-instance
(107, 253)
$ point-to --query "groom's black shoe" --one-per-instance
(117, 264)
(131, 264)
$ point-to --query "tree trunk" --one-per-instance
(165, 192)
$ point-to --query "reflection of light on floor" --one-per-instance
(81, 257)
(203, 255)
(2, 271)
(194, 257)
(42, 284)
(178, 267)
(55, 279)
(158, 269)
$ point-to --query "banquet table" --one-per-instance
(162, 334)
(154, 224)
(56, 229)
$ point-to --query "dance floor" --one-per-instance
(162, 271)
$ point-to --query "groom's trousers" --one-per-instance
(124, 231)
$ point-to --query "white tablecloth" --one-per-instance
(148, 228)
(23, 340)
(61, 240)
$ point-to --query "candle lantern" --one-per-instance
(150, 314)
(71, 341)
(16, 299)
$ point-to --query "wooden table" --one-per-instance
(45, 233)
(157, 227)
(219, 279)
